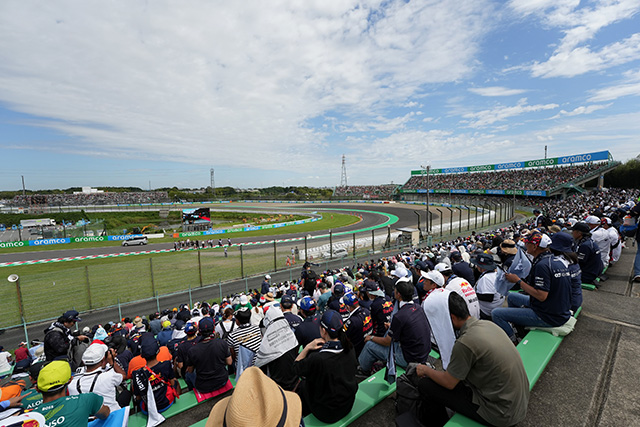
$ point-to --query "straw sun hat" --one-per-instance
(257, 401)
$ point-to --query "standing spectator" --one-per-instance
(485, 379)
(209, 358)
(328, 365)
(264, 289)
(56, 405)
(96, 378)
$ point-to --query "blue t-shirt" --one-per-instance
(589, 259)
(550, 274)
(308, 330)
(576, 286)
(410, 328)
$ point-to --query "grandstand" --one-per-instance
(89, 199)
(557, 176)
(372, 192)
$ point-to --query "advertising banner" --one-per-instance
(42, 242)
(540, 193)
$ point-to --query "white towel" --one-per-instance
(436, 307)
(278, 337)
(154, 417)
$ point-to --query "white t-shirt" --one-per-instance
(105, 385)
(486, 285)
(4, 361)
(603, 240)
(466, 291)
(227, 325)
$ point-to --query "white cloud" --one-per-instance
(630, 86)
(500, 113)
(207, 82)
(581, 110)
(572, 56)
(496, 91)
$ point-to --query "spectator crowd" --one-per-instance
(90, 199)
(301, 347)
(545, 178)
(374, 192)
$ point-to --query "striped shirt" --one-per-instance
(247, 335)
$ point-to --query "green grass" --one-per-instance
(326, 223)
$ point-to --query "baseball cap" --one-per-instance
(191, 328)
(592, 219)
(562, 242)
(538, 239)
(350, 299)
(441, 266)
(332, 322)
(371, 287)
(206, 325)
(71, 315)
(148, 345)
(581, 227)
(485, 261)
(307, 304)
(286, 301)
(338, 289)
(605, 220)
(94, 354)
(435, 276)
(166, 324)
(456, 256)
(243, 315)
(54, 376)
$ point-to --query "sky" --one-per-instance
(156, 93)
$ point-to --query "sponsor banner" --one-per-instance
(476, 191)
(90, 239)
(481, 168)
(18, 244)
(583, 158)
(494, 192)
(512, 165)
(460, 191)
(535, 193)
(489, 192)
(42, 242)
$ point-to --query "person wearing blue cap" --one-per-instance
(309, 329)
(335, 301)
(209, 357)
(58, 338)
(328, 366)
(562, 246)
(191, 330)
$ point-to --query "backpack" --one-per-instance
(407, 394)
(226, 333)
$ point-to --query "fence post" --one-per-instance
(200, 268)
(354, 245)
(157, 302)
(373, 241)
(306, 252)
(241, 262)
(330, 244)
(190, 299)
(26, 334)
(220, 289)
(119, 310)
(86, 278)
(246, 285)
(459, 220)
(153, 283)
(476, 226)
(275, 253)
(468, 218)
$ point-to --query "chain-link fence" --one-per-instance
(49, 289)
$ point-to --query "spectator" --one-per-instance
(309, 329)
(358, 324)
(488, 296)
(182, 352)
(588, 253)
(56, 405)
(548, 287)
(137, 362)
(409, 334)
(58, 338)
(245, 333)
(462, 287)
(257, 401)
(601, 237)
(278, 350)
(328, 365)
(5, 361)
(159, 375)
(635, 212)
(264, 289)
(381, 308)
(485, 379)
(335, 301)
(100, 375)
(227, 324)
(462, 268)
(323, 299)
(164, 336)
(561, 245)
(155, 324)
(287, 303)
(209, 359)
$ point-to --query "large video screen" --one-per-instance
(196, 216)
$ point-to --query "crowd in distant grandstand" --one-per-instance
(305, 344)
(366, 191)
(518, 179)
(89, 199)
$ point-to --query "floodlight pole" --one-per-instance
(427, 228)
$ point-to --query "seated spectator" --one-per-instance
(588, 253)
(323, 299)
(182, 352)
(381, 308)
(462, 287)
(269, 404)
(227, 324)
(328, 367)
(100, 375)
(5, 361)
(155, 324)
(409, 335)
(278, 349)
(287, 302)
(245, 333)
(159, 375)
(548, 287)
(139, 361)
(335, 301)
(488, 297)
(56, 405)
(23, 358)
(358, 324)
(209, 358)
(462, 268)
(562, 246)
(309, 329)
(485, 379)
(165, 335)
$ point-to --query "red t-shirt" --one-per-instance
(21, 353)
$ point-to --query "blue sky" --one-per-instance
(274, 93)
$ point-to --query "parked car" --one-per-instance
(337, 253)
(135, 240)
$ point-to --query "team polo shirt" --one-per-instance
(357, 326)
(410, 328)
(208, 357)
(550, 274)
(381, 309)
(293, 319)
(70, 411)
(589, 259)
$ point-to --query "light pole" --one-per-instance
(428, 169)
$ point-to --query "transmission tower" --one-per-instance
(343, 178)
(213, 181)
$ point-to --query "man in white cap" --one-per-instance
(264, 289)
(100, 375)
(601, 237)
(462, 287)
